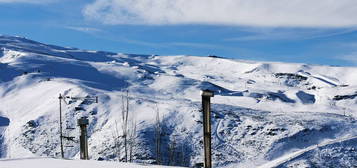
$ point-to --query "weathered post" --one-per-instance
(82, 123)
(206, 106)
(60, 124)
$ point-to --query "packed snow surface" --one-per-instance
(58, 163)
(264, 113)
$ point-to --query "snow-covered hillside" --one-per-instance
(262, 111)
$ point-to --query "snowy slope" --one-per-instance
(279, 162)
(261, 110)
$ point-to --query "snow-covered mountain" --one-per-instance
(265, 114)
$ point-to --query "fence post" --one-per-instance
(206, 106)
(82, 123)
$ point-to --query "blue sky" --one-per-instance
(318, 32)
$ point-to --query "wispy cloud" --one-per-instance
(84, 29)
(350, 45)
(29, 1)
(107, 35)
(288, 33)
(197, 45)
(274, 13)
(352, 57)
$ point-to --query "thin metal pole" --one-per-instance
(60, 119)
(126, 126)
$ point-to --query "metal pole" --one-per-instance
(60, 119)
(83, 122)
(206, 106)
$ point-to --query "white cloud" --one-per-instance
(28, 1)
(286, 13)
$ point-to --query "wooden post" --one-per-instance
(60, 124)
(206, 106)
(83, 122)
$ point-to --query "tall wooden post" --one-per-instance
(206, 106)
(60, 124)
(82, 123)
